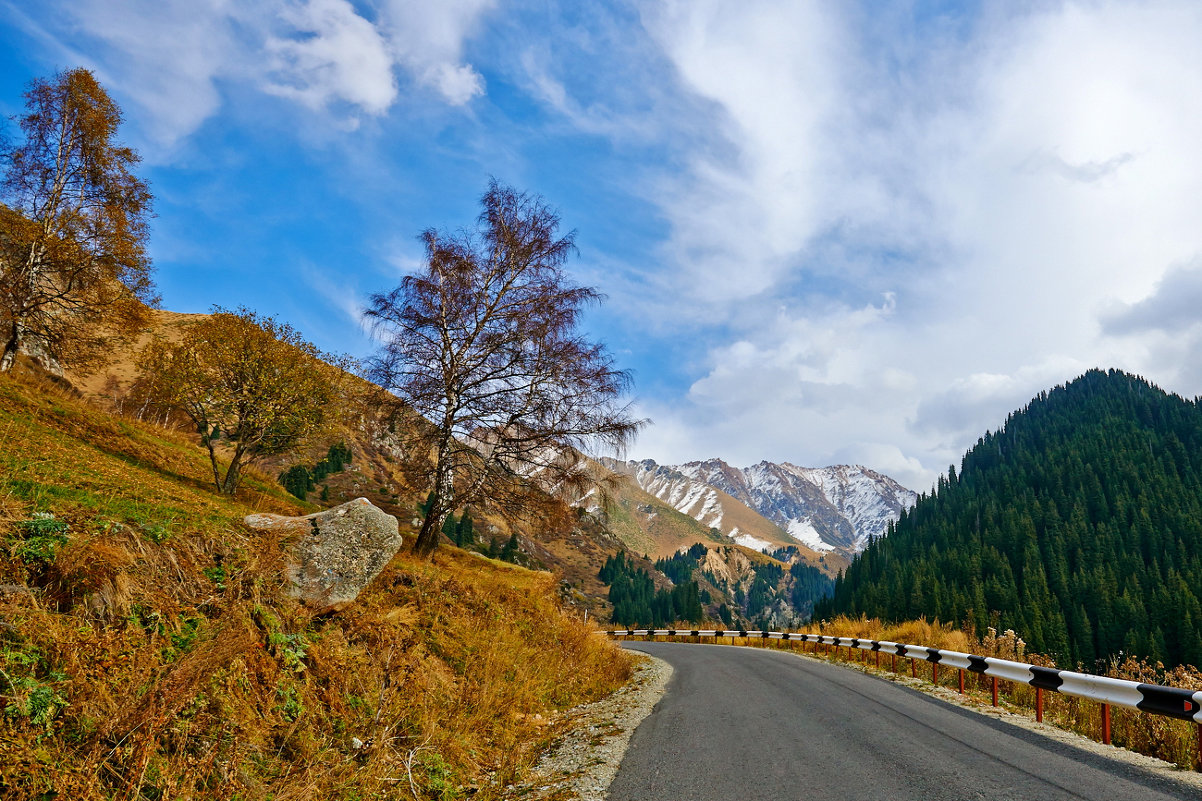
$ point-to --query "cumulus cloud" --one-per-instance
(329, 53)
(1165, 328)
(975, 403)
(1023, 187)
(173, 56)
(428, 38)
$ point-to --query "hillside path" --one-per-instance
(748, 724)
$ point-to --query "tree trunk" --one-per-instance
(213, 461)
(10, 348)
(427, 537)
(442, 505)
(233, 474)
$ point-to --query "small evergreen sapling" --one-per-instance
(464, 534)
(510, 551)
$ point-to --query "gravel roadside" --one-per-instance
(582, 764)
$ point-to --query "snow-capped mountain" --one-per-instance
(705, 503)
(826, 508)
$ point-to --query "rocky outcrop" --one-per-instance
(334, 554)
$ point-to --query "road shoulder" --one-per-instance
(584, 762)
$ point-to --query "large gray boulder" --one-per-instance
(335, 553)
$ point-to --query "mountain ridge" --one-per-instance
(836, 509)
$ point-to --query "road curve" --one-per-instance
(747, 724)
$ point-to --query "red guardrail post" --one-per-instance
(1106, 724)
(994, 690)
(1200, 746)
(878, 660)
(1039, 704)
(913, 668)
(934, 673)
(961, 681)
(895, 663)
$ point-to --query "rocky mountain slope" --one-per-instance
(828, 509)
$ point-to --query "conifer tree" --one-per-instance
(510, 551)
(1073, 524)
(465, 537)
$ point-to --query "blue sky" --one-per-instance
(828, 232)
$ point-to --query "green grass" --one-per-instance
(76, 462)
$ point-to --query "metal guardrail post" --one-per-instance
(1106, 724)
(994, 690)
(1039, 705)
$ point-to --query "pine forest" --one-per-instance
(1078, 525)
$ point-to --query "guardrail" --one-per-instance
(1156, 699)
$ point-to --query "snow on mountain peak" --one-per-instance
(836, 508)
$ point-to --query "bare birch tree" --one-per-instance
(73, 227)
(483, 343)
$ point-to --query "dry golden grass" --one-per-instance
(154, 653)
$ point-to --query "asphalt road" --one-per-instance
(740, 724)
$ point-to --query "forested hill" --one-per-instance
(1078, 524)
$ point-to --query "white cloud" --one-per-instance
(1024, 189)
(1165, 327)
(428, 39)
(967, 407)
(330, 53)
(165, 55)
(1173, 307)
(751, 199)
(174, 56)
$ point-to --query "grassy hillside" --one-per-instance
(148, 648)
(551, 535)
